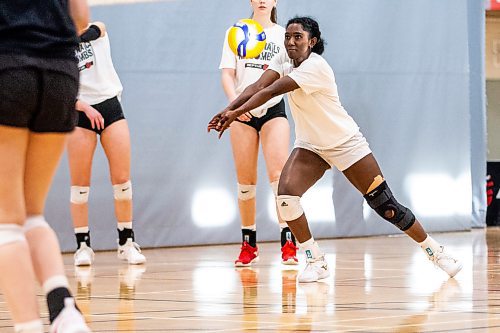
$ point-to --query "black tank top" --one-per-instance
(37, 28)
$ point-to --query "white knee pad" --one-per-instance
(79, 194)
(10, 233)
(289, 207)
(123, 191)
(274, 187)
(35, 221)
(246, 192)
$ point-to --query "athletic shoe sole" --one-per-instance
(290, 261)
(240, 264)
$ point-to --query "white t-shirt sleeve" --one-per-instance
(228, 59)
(312, 75)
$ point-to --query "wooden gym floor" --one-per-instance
(378, 284)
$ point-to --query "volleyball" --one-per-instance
(247, 38)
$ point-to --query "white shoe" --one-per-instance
(84, 256)
(446, 262)
(131, 252)
(70, 320)
(315, 270)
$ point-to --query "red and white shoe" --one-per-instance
(70, 320)
(289, 254)
(248, 255)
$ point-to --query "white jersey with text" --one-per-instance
(320, 119)
(249, 70)
(98, 78)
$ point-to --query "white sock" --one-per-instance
(252, 227)
(34, 326)
(430, 246)
(311, 249)
(123, 225)
(82, 230)
(54, 282)
(283, 226)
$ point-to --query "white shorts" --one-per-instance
(342, 156)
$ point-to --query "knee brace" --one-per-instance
(10, 233)
(35, 221)
(274, 187)
(384, 203)
(289, 207)
(123, 191)
(79, 194)
(246, 192)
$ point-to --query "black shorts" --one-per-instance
(274, 111)
(38, 99)
(111, 111)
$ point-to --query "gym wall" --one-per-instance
(404, 74)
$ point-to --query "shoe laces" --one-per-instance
(136, 246)
(289, 248)
(316, 264)
(444, 256)
(441, 259)
(131, 245)
(84, 249)
(246, 248)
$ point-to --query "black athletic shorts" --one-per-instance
(111, 111)
(38, 99)
(275, 111)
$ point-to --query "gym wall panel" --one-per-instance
(403, 74)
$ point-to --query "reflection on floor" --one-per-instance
(378, 284)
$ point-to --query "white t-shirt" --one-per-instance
(249, 70)
(98, 78)
(320, 119)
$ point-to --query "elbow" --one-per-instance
(81, 23)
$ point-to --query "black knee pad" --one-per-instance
(384, 203)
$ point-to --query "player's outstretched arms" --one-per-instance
(266, 79)
(221, 121)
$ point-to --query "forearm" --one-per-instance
(257, 94)
(79, 12)
(254, 100)
(81, 106)
(244, 97)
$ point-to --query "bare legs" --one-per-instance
(81, 148)
(115, 141)
(27, 166)
(362, 173)
(43, 150)
(302, 170)
(275, 141)
(17, 280)
(245, 144)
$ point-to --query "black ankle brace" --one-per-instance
(82, 237)
(125, 234)
(55, 301)
(287, 235)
